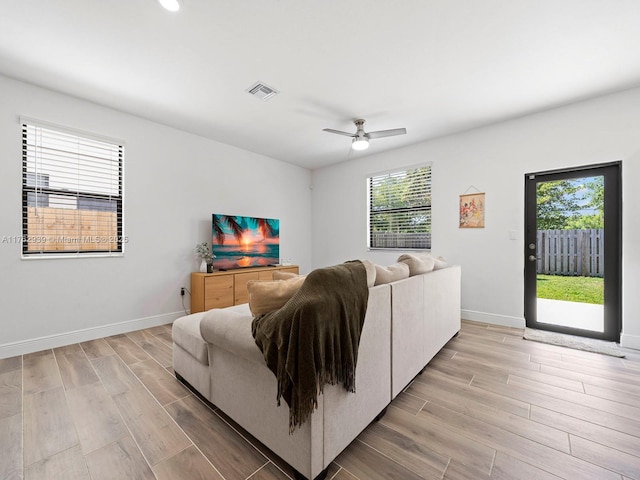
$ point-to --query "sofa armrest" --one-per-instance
(231, 330)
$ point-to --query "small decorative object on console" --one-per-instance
(205, 253)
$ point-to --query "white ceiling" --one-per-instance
(432, 66)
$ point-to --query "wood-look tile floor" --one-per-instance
(489, 405)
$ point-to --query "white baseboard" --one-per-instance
(68, 338)
(503, 320)
(630, 341)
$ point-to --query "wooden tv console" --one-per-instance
(224, 289)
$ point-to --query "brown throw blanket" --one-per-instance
(313, 339)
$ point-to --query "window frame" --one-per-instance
(33, 192)
(429, 188)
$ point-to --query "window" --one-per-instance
(400, 209)
(71, 193)
(35, 199)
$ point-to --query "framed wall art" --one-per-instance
(472, 210)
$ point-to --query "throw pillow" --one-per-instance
(439, 262)
(392, 273)
(268, 295)
(371, 272)
(418, 263)
(280, 275)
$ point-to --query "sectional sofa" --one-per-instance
(406, 324)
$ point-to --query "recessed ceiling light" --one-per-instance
(171, 5)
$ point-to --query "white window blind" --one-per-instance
(71, 193)
(400, 209)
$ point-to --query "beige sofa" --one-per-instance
(406, 324)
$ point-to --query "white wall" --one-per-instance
(493, 159)
(174, 181)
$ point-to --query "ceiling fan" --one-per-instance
(361, 138)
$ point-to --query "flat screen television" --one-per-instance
(239, 242)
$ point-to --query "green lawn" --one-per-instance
(571, 289)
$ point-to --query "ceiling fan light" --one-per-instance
(360, 144)
(171, 5)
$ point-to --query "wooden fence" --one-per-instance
(571, 252)
(64, 229)
(400, 240)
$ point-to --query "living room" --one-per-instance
(175, 178)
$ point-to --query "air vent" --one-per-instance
(262, 91)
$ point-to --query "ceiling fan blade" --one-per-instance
(331, 130)
(387, 133)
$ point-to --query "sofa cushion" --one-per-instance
(231, 330)
(392, 273)
(242, 308)
(186, 333)
(268, 295)
(418, 262)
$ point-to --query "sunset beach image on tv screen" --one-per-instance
(239, 241)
